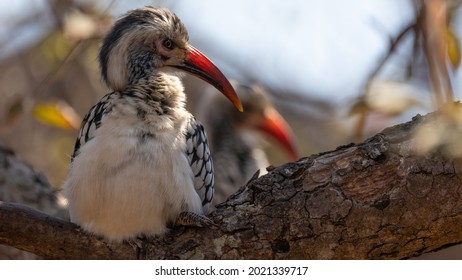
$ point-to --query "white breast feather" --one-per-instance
(119, 188)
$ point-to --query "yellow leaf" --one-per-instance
(57, 114)
(453, 48)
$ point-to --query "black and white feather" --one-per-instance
(197, 148)
(233, 139)
(91, 122)
(201, 162)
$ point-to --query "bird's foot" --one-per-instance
(194, 219)
(139, 244)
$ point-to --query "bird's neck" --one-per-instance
(155, 104)
(161, 92)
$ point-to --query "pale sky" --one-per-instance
(321, 48)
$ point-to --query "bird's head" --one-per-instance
(259, 115)
(148, 40)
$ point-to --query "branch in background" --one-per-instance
(33, 231)
(363, 114)
(433, 25)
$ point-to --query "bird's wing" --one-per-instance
(198, 153)
(91, 122)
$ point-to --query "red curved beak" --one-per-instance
(200, 66)
(274, 125)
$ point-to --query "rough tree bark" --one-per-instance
(373, 200)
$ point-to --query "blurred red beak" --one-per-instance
(274, 125)
(200, 66)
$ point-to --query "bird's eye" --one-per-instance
(168, 44)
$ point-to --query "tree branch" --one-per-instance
(373, 200)
(36, 232)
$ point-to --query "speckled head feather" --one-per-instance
(133, 39)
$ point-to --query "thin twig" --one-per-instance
(394, 42)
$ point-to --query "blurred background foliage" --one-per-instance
(47, 86)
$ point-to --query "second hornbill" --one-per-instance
(233, 141)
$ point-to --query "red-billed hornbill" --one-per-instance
(237, 151)
(141, 160)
